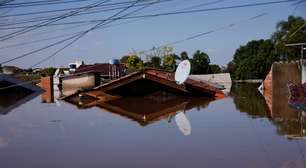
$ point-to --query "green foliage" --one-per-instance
(155, 62)
(169, 62)
(134, 63)
(253, 60)
(248, 100)
(124, 59)
(48, 71)
(214, 68)
(184, 55)
(292, 30)
(200, 63)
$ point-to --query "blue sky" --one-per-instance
(116, 41)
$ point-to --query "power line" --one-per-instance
(178, 41)
(33, 4)
(195, 36)
(43, 18)
(77, 36)
(153, 15)
(52, 20)
(68, 9)
(102, 23)
(176, 12)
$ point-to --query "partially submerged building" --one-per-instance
(276, 93)
(14, 92)
(220, 80)
(154, 82)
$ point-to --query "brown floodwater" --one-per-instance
(238, 131)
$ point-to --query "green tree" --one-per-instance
(124, 59)
(48, 71)
(292, 30)
(184, 55)
(253, 60)
(200, 63)
(155, 62)
(214, 68)
(169, 62)
(134, 63)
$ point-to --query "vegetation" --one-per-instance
(253, 60)
(200, 63)
(155, 62)
(214, 68)
(287, 32)
(134, 63)
(250, 61)
(169, 62)
(163, 58)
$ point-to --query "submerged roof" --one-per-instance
(165, 78)
(15, 96)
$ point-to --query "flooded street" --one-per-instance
(238, 131)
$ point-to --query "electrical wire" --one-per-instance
(102, 24)
(151, 15)
(176, 12)
(19, 5)
(49, 21)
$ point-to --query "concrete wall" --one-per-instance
(282, 73)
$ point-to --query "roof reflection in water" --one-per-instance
(13, 97)
(143, 110)
(289, 122)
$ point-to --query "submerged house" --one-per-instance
(88, 76)
(14, 92)
(276, 93)
(151, 82)
(107, 71)
(220, 80)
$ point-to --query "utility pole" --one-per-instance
(298, 44)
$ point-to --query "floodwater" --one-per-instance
(238, 131)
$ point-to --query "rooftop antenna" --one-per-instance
(182, 72)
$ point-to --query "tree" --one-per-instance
(184, 55)
(291, 31)
(200, 63)
(134, 63)
(169, 62)
(253, 60)
(154, 62)
(124, 59)
(214, 68)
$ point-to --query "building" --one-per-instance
(107, 71)
(10, 70)
(15, 92)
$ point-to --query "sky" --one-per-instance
(123, 38)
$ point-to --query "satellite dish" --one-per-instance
(182, 72)
(183, 123)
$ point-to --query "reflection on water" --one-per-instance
(11, 98)
(144, 110)
(238, 131)
(248, 100)
(289, 122)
